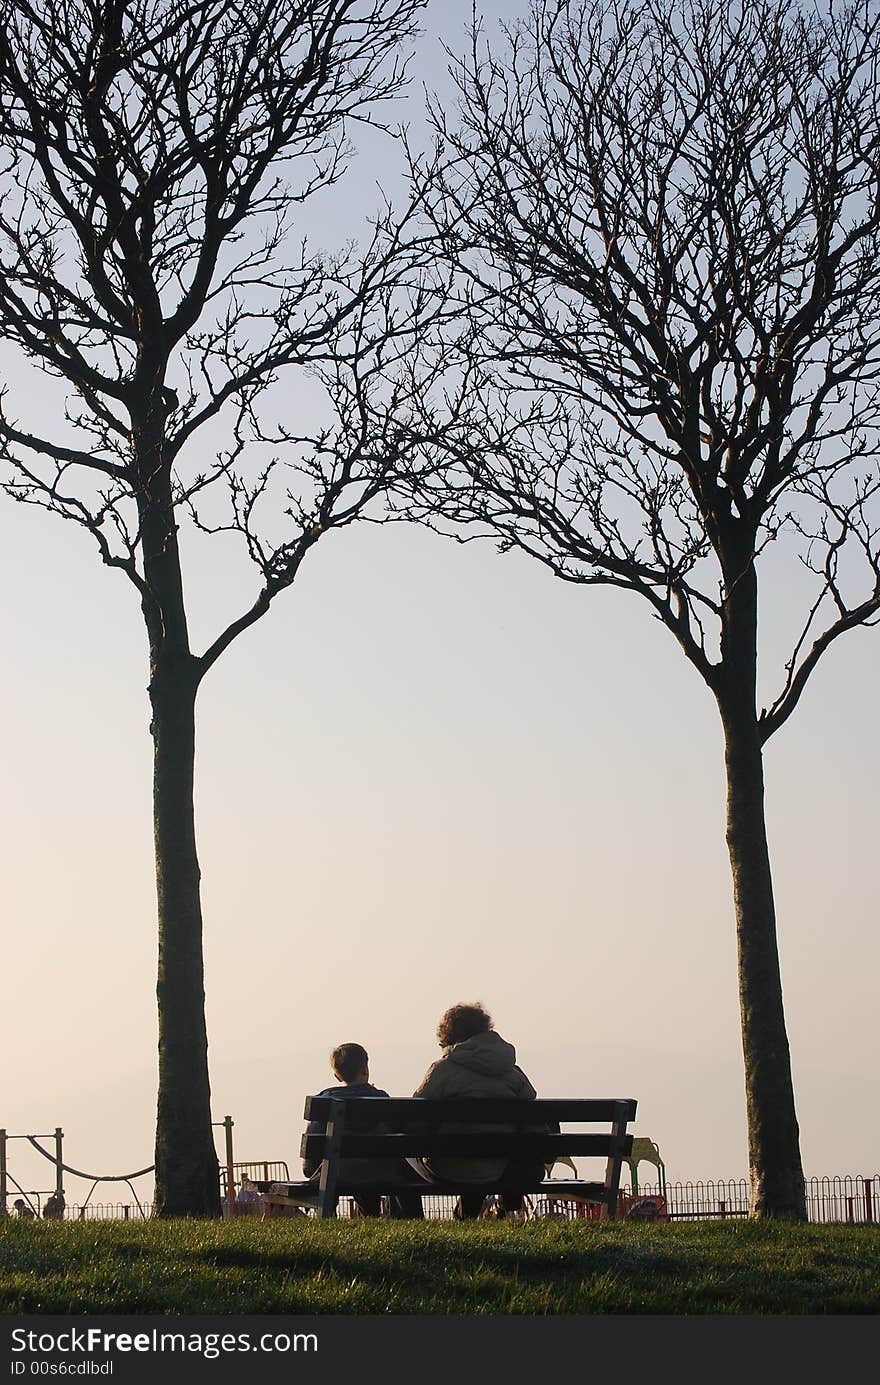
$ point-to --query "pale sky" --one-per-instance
(430, 774)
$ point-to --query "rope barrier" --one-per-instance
(131, 1189)
(93, 1178)
(98, 1177)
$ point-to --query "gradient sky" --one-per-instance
(430, 774)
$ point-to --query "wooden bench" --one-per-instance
(411, 1126)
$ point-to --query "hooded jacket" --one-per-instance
(482, 1066)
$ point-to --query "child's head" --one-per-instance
(350, 1063)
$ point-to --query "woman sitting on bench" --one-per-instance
(477, 1062)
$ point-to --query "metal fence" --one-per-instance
(844, 1198)
(107, 1211)
(274, 1170)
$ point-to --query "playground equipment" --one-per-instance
(646, 1149)
(6, 1177)
(61, 1168)
(229, 1207)
(635, 1206)
(632, 1204)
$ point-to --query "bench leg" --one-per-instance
(613, 1167)
(330, 1164)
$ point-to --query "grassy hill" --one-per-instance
(361, 1266)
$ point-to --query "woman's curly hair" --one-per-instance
(462, 1022)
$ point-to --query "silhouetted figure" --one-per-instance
(26, 1213)
(477, 1063)
(248, 1199)
(350, 1065)
(54, 1208)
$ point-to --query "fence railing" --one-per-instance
(843, 1198)
(848, 1198)
(275, 1170)
(107, 1211)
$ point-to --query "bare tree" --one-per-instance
(155, 153)
(665, 221)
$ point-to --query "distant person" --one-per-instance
(248, 1199)
(350, 1065)
(477, 1063)
(22, 1210)
(54, 1208)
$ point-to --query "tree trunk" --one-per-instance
(776, 1173)
(187, 1178)
(187, 1173)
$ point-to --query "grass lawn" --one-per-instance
(351, 1267)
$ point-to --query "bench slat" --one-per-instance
(520, 1145)
(553, 1187)
(363, 1112)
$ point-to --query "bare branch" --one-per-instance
(156, 155)
(665, 227)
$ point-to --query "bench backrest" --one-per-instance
(408, 1113)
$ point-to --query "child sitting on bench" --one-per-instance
(350, 1065)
